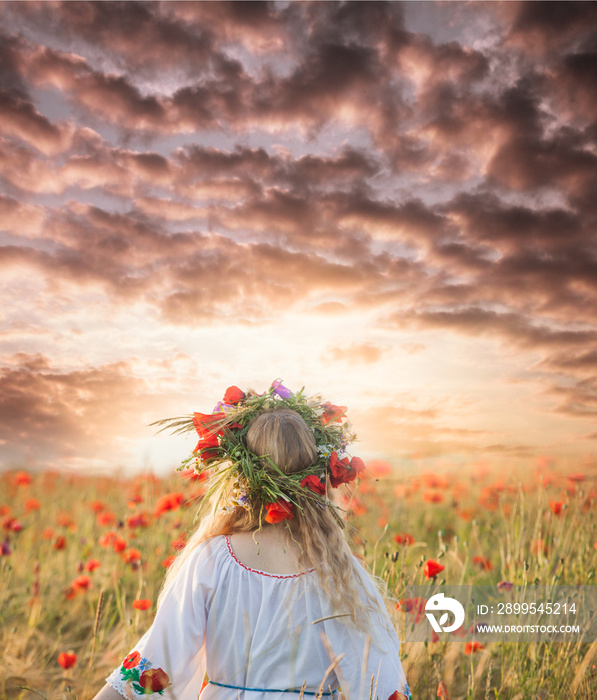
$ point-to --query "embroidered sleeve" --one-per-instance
(169, 660)
(136, 676)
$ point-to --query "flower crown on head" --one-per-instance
(257, 481)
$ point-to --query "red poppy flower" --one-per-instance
(472, 647)
(379, 468)
(413, 606)
(132, 659)
(60, 542)
(556, 507)
(539, 546)
(203, 423)
(138, 520)
(281, 510)
(442, 691)
(169, 502)
(404, 538)
(341, 473)
(432, 568)
(233, 395)
(179, 543)
(82, 583)
(332, 412)
(92, 565)
(97, 506)
(154, 680)
(313, 483)
(207, 447)
(65, 520)
(70, 593)
(505, 586)
(119, 544)
(142, 604)
(12, 525)
(168, 561)
(47, 533)
(192, 475)
(132, 556)
(107, 518)
(357, 464)
(67, 659)
(31, 504)
(432, 497)
(107, 540)
(22, 479)
(483, 562)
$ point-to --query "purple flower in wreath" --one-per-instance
(280, 390)
(221, 406)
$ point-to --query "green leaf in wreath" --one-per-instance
(140, 690)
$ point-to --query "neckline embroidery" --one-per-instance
(257, 571)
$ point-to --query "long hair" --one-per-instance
(284, 437)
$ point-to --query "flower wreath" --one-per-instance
(256, 479)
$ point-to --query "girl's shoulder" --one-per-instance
(210, 548)
(203, 559)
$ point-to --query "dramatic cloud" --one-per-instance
(365, 197)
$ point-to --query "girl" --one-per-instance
(266, 598)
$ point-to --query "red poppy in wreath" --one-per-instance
(314, 483)
(233, 395)
(278, 511)
(203, 421)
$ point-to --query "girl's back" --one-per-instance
(256, 631)
(267, 598)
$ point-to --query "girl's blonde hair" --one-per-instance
(287, 440)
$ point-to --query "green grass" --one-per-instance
(510, 523)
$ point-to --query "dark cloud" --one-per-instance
(130, 256)
(20, 118)
(529, 163)
(515, 328)
(547, 26)
(65, 414)
(578, 400)
(573, 361)
(19, 218)
(126, 30)
(236, 160)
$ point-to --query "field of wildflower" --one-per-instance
(83, 558)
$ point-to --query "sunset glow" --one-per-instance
(390, 204)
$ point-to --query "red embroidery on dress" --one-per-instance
(263, 573)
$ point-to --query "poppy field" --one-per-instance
(82, 560)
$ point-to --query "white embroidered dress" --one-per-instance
(254, 630)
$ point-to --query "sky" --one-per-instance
(390, 204)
